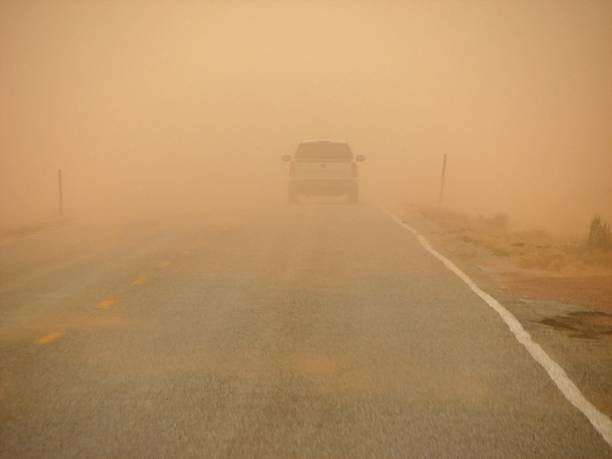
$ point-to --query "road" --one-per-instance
(315, 331)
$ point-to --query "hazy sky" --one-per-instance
(153, 103)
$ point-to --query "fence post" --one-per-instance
(442, 180)
(60, 192)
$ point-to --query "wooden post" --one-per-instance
(442, 181)
(60, 192)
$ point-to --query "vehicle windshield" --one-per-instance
(324, 152)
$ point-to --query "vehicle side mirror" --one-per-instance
(360, 158)
(286, 158)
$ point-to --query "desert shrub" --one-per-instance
(599, 234)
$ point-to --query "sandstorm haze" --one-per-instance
(150, 107)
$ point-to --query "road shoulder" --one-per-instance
(575, 333)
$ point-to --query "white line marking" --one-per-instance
(600, 421)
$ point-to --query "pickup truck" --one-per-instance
(323, 168)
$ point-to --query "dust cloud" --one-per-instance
(157, 107)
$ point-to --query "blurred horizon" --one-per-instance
(160, 105)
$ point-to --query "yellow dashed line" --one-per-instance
(106, 304)
(50, 338)
(140, 280)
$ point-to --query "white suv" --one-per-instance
(323, 168)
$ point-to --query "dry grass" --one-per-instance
(531, 264)
(599, 234)
(532, 250)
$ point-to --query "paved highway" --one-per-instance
(315, 331)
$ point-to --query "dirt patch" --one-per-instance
(592, 291)
(582, 324)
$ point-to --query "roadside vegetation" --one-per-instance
(533, 264)
(532, 250)
(599, 235)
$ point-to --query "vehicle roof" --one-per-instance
(323, 150)
(324, 141)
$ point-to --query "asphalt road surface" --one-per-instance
(315, 331)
